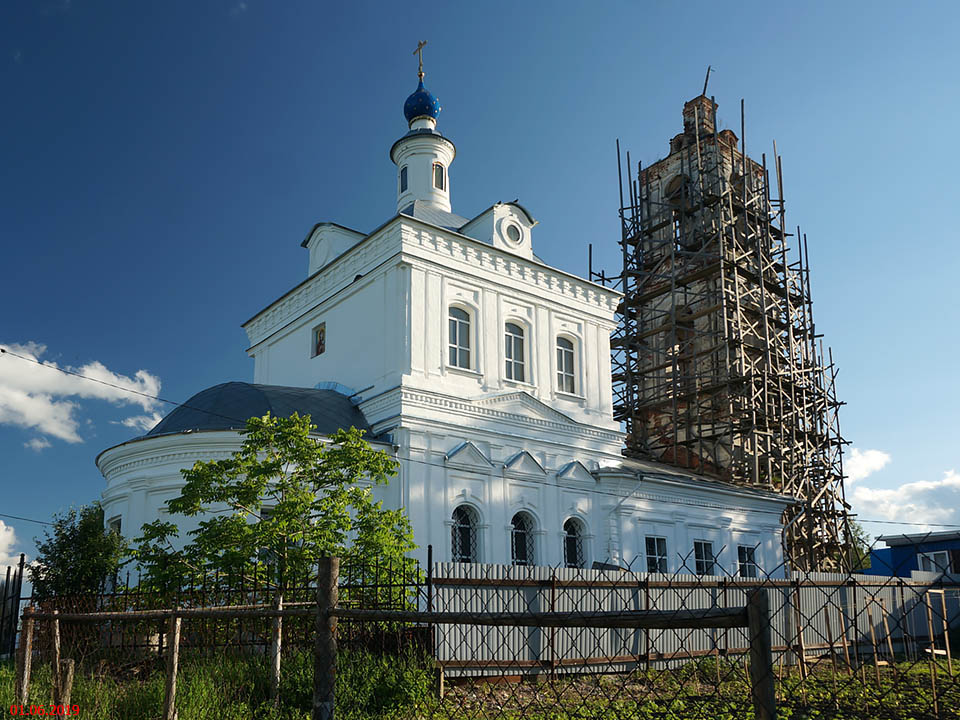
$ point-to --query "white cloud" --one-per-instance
(37, 444)
(923, 501)
(47, 401)
(8, 540)
(142, 422)
(862, 463)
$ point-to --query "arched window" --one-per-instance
(521, 540)
(459, 338)
(566, 379)
(403, 179)
(573, 543)
(438, 177)
(463, 542)
(513, 344)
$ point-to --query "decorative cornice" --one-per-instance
(481, 256)
(446, 402)
(381, 243)
(192, 456)
(524, 398)
(165, 449)
(681, 500)
(321, 285)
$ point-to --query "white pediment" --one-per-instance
(467, 455)
(523, 463)
(577, 472)
(523, 404)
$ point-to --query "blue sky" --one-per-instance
(162, 162)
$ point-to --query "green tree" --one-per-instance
(77, 555)
(274, 508)
(281, 502)
(859, 546)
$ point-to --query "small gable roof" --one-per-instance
(524, 462)
(466, 453)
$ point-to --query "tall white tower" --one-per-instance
(423, 156)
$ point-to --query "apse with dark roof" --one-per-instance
(228, 406)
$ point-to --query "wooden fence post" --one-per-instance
(762, 684)
(946, 631)
(933, 654)
(55, 665)
(173, 658)
(325, 646)
(25, 656)
(65, 689)
(276, 644)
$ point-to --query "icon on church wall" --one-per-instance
(319, 339)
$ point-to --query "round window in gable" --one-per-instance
(513, 234)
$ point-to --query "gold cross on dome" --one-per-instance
(419, 51)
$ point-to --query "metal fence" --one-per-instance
(11, 587)
(812, 614)
(479, 641)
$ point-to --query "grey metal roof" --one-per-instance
(228, 406)
(919, 538)
(421, 132)
(358, 233)
(423, 211)
(662, 471)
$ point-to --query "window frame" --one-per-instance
(510, 343)
(660, 560)
(704, 565)
(560, 374)
(931, 556)
(404, 179)
(471, 524)
(747, 560)
(453, 343)
(578, 540)
(442, 187)
(526, 535)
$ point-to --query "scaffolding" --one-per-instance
(717, 365)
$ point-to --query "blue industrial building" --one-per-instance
(930, 552)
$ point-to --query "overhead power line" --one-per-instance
(4, 351)
(17, 517)
(35, 361)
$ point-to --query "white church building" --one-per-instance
(483, 371)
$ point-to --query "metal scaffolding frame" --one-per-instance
(717, 366)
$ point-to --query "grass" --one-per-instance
(234, 687)
(386, 687)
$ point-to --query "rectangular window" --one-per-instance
(703, 555)
(656, 554)
(938, 562)
(565, 381)
(513, 351)
(403, 179)
(114, 524)
(438, 176)
(459, 340)
(319, 343)
(747, 561)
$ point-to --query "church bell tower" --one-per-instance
(717, 365)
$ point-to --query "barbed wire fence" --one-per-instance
(496, 641)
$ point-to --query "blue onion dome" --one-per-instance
(421, 103)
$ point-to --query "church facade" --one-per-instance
(483, 371)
